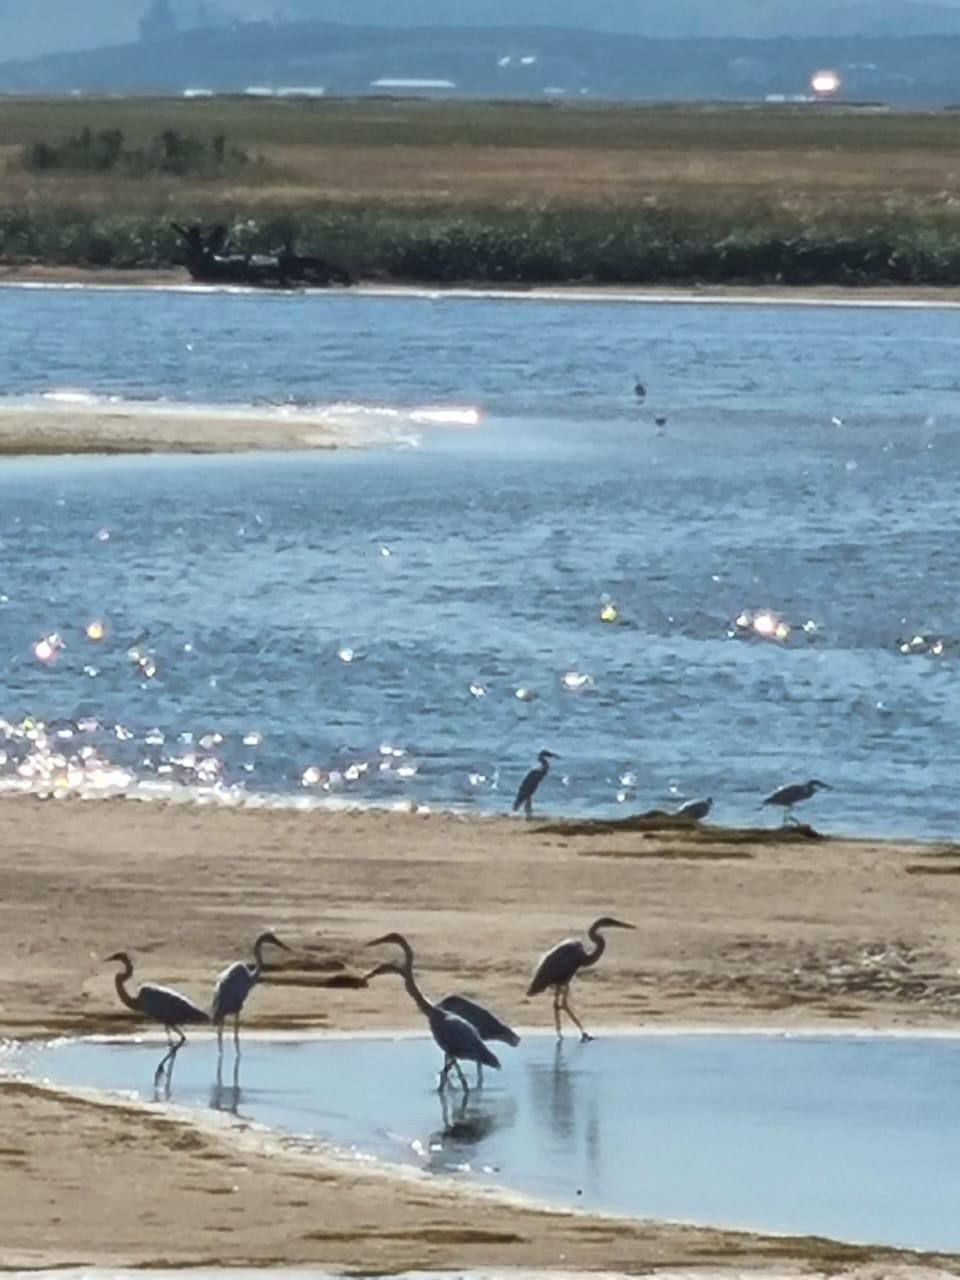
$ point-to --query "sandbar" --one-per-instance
(734, 929)
(119, 429)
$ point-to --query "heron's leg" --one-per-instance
(479, 1075)
(565, 1005)
(556, 1012)
(463, 1079)
(528, 807)
(220, 1038)
(158, 1074)
(236, 1033)
(171, 1053)
(443, 1074)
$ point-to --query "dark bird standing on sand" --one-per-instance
(560, 965)
(528, 786)
(234, 985)
(790, 795)
(160, 1004)
(458, 1038)
(695, 809)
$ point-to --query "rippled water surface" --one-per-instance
(414, 622)
(850, 1138)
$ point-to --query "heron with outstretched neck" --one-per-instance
(234, 985)
(486, 1023)
(786, 797)
(458, 1038)
(170, 1008)
(560, 965)
(528, 787)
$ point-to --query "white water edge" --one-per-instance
(572, 293)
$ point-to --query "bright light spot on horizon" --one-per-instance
(825, 83)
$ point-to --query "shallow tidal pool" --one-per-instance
(852, 1137)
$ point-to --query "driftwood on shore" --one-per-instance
(209, 259)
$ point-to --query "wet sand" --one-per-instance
(734, 928)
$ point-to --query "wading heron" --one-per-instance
(790, 795)
(160, 1004)
(234, 985)
(560, 965)
(486, 1023)
(695, 809)
(528, 786)
(458, 1038)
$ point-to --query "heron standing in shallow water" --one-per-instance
(160, 1004)
(234, 985)
(528, 786)
(486, 1023)
(787, 797)
(458, 1038)
(563, 962)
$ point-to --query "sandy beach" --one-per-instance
(128, 429)
(734, 928)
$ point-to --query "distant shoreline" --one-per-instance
(947, 296)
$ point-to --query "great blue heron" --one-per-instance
(558, 967)
(792, 794)
(160, 1004)
(695, 809)
(486, 1024)
(528, 786)
(457, 1037)
(234, 985)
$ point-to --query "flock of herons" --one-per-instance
(460, 1026)
(694, 810)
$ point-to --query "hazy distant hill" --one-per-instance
(502, 62)
(668, 18)
(32, 27)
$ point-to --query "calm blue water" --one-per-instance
(850, 1138)
(364, 620)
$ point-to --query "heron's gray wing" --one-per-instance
(527, 787)
(170, 1007)
(488, 1025)
(231, 990)
(557, 966)
(460, 1039)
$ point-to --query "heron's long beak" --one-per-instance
(375, 942)
(622, 924)
(109, 959)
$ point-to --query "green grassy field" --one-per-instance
(504, 192)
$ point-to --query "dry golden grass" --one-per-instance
(504, 154)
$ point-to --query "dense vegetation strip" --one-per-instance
(437, 245)
(491, 193)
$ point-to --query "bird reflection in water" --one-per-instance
(226, 1097)
(467, 1122)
